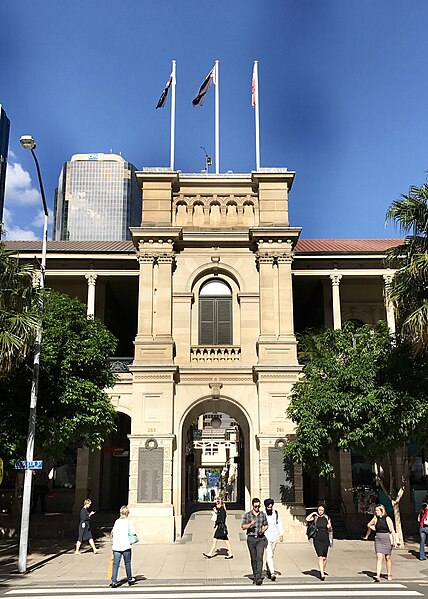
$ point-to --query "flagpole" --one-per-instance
(172, 115)
(256, 113)
(217, 128)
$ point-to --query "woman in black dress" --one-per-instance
(220, 532)
(321, 538)
(84, 532)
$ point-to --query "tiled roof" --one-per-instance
(345, 246)
(304, 246)
(72, 246)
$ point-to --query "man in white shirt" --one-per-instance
(273, 534)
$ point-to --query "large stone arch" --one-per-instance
(197, 407)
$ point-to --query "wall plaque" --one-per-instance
(150, 475)
(281, 477)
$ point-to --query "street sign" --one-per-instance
(35, 465)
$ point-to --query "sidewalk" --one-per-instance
(56, 564)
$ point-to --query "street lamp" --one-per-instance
(28, 143)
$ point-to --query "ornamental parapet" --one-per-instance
(215, 353)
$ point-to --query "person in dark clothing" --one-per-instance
(256, 524)
(40, 490)
(321, 538)
(220, 532)
(84, 532)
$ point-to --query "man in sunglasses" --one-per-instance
(255, 524)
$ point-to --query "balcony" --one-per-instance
(215, 353)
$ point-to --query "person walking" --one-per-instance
(321, 538)
(256, 524)
(220, 532)
(84, 532)
(423, 530)
(384, 528)
(123, 528)
(274, 533)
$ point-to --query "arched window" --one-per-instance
(215, 313)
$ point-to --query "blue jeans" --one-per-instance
(117, 556)
(423, 533)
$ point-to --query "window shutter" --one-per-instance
(206, 321)
(224, 321)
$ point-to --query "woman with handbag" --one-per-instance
(385, 540)
(123, 536)
(321, 536)
(220, 532)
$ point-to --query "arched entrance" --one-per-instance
(115, 465)
(229, 472)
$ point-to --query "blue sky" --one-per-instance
(343, 96)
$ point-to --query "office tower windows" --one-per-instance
(97, 199)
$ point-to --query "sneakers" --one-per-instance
(114, 585)
(132, 582)
(273, 577)
(259, 581)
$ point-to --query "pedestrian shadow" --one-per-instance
(369, 573)
(414, 553)
(138, 578)
(314, 573)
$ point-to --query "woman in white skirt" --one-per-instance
(385, 540)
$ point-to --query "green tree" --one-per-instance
(18, 310)
(409, 289)
(364, 391)
(73, 409)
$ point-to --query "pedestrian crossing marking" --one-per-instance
(235, 587)
(241, 591)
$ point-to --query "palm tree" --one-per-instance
(18, 310)
(409, 289)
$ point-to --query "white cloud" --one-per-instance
(19, 189)
(38, 220)
(14, 233)
(17, 234)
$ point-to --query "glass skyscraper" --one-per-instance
(97, 199)
(4, 145)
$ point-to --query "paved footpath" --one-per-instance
(55, 564)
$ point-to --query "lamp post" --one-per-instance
(28, 143)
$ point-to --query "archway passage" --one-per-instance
(216, 457)
(115, 465)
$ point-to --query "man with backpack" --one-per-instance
(273, 534)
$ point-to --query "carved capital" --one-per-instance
(335, 280)
(265, 258)
(91, 278)
(388, 279)
(145, 258)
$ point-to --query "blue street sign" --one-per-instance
(35, 465)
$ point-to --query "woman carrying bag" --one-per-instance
(123, 536)
(221, 532)
(322, 536)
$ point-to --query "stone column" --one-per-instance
(82, 479)
(92, 281)
(337, 318)
(390, 315)
(145, 296)
(345, 468)
(285, 293)
(267, 316)
(163, 295)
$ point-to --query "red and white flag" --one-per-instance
(254, 87)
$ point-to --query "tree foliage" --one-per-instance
(73, 409)
(409, 289)
(18, 310)
(362, 391)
